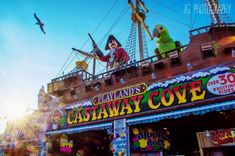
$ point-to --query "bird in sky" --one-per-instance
(39, 23)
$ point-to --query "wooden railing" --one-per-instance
(86, 76)
(206, 28)
(82, 73)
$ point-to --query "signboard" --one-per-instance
(222, 137)
(222, 84)
(148, 139)
(120, 94)
(179, 91)
(66, 145)
(119, 142)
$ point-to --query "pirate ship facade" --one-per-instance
(181, 104)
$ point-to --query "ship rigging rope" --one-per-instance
(171, 19)
(124, 11)
(170, 9)
(191, 15)
(101, 21)
(193, 20)
(102, 70)
(64, 64)
(172, 25)
(115, 23)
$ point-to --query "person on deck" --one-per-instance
(116, 57)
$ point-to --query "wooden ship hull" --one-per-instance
(210, 49)
(82, 84)
(182, 104)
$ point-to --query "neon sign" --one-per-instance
(225, 136)
(148, 139)
(178, 92)
(135, 104)
(66, 145)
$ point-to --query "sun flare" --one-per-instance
(15, 113)
(15, 109)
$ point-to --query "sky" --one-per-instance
(30, 59)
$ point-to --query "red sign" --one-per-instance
(225, 136)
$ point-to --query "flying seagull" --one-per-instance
(39, 23)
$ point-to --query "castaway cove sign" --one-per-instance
(142, 98)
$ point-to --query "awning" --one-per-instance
(106, 125)
(185, 112)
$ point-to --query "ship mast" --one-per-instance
(138, 17)
(140, 39)
(213, 7)
(94, 67)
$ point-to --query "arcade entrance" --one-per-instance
(90, 143)
(182, 137)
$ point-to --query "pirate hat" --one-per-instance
(56, 112)
(111, 37)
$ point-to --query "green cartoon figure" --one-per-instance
(164, 42)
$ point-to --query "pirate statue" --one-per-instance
(116, 57)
